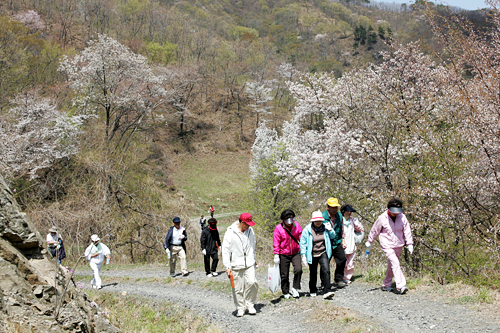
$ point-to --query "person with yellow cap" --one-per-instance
(333, 216)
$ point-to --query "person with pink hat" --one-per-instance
(238, 256)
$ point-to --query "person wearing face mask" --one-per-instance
(95, 253)
(210, 243)
(351, 225)
(286, 243)
(394, 230)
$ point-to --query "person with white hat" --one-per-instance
(95, 253)
(316, 248)
(393, 230)
(332, 215)
(55, 245)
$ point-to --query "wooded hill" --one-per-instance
(98, 95)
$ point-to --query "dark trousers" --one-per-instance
(340, 260)
(215, 261)
(324, 272)
(285, 261)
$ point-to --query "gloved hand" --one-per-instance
(167, 251)
(58, 246)
(182, 236)
(304, 260)
(204, 252)
(410, 248)
(276, 259)
(328, 226)
(368, 244)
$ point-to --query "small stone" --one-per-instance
(124, 293)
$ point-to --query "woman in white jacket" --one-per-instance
(238, 256)
(95, 254)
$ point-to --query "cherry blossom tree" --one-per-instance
(386, 130)
(31, 19)
(34, 135)
(114, 83)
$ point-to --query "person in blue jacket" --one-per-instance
(316, 248)
(333, 216)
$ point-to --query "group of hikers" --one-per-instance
(331, 233)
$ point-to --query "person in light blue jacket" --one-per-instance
(316, 248)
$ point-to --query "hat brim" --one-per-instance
(317, 219)
(334, 205)
(250, 223)
(396, 210)
(350, 209)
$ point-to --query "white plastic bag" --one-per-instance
(358, 237)
(273, 278)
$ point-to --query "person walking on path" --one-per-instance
(203, 221)
(238, 256)
(394, 230)
(95, 253)
(210, 243)
(333, 216)
(212, 211)
(55, 245)
(175, 246)
(316, 248)
(286, 243)
(351, 225)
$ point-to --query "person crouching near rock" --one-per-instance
(95, 253)
(394, 229)
(316, 248)
(238, 256)
(210, 243)
(286, 243)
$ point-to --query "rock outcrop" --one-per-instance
(35, 295)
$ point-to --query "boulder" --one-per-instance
(35, 295)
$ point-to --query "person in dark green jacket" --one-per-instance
(333, 215)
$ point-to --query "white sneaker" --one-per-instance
(286, 296)
(209, 275)
(94, 286)
(328, 295)
(403, 290)
(240, 313)
(251, 310)
(295, 293)
(215, 273)
(347, 281)
(386, 288)
(312, 294)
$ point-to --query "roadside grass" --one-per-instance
(139, 314)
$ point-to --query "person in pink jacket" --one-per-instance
(286, 240)
(393, 230)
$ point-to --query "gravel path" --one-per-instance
(373, 310)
